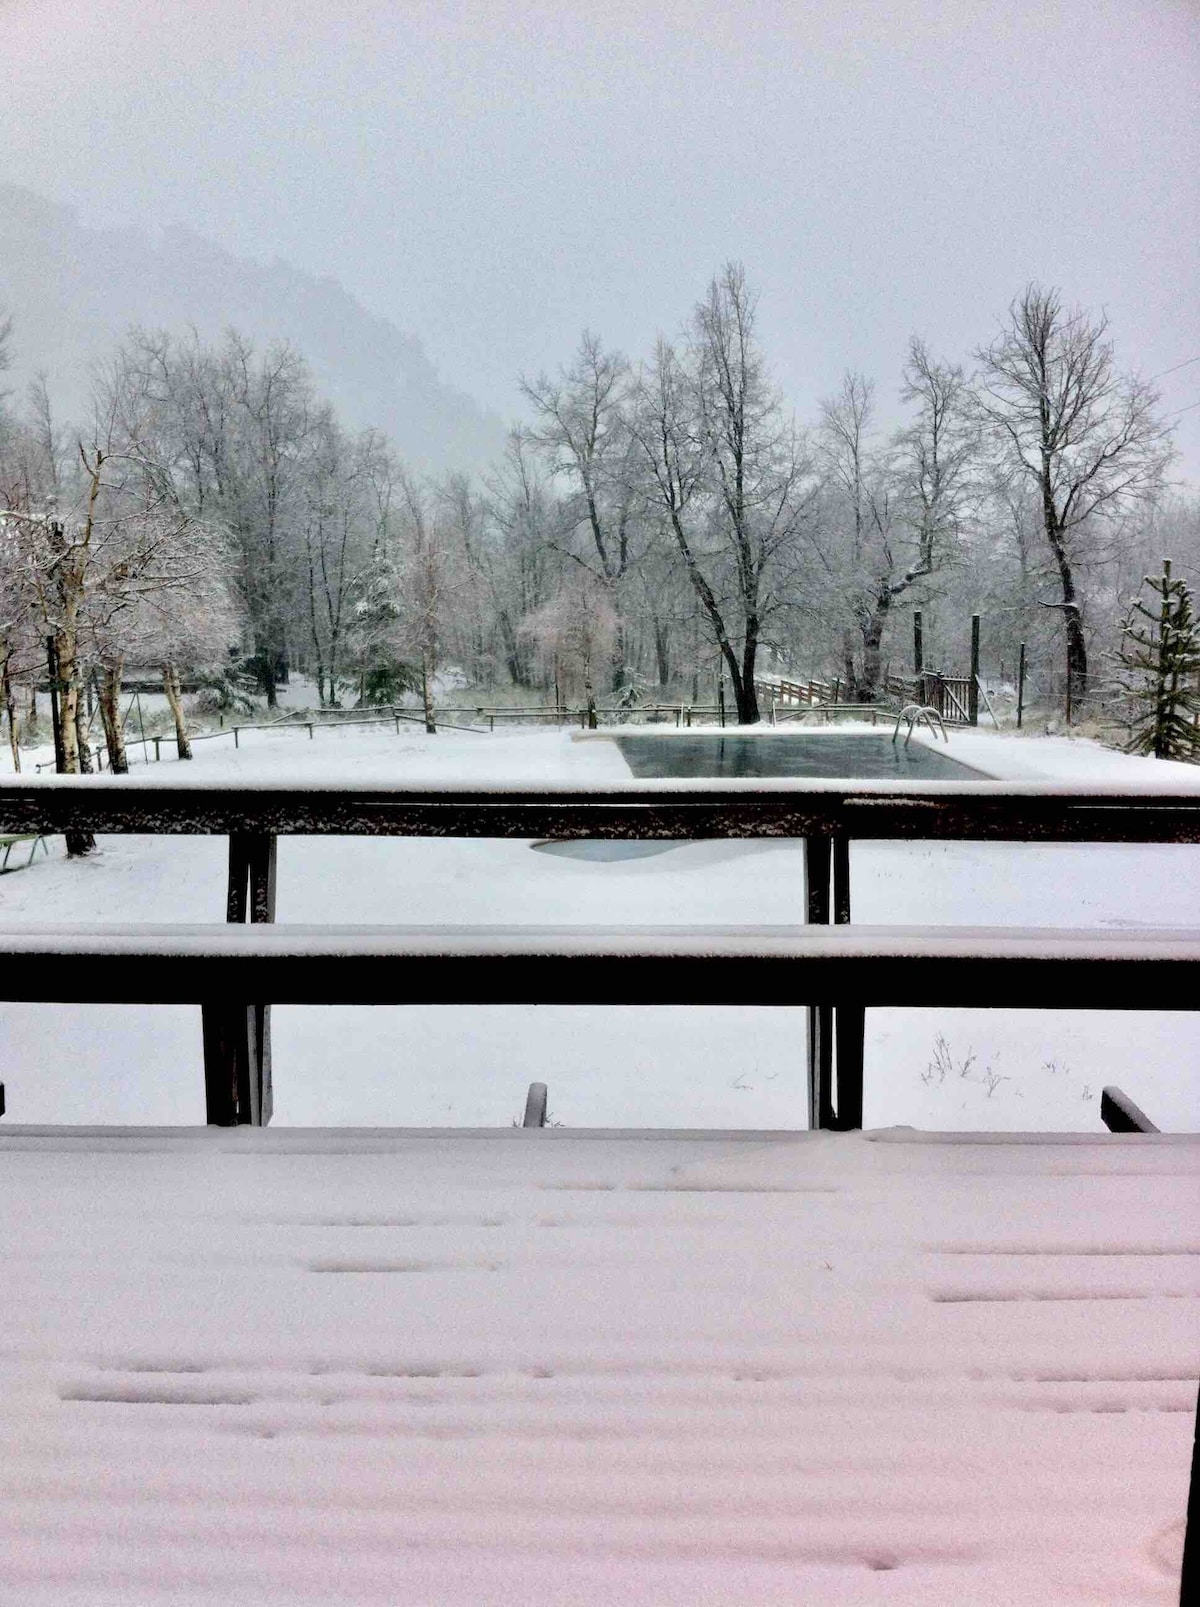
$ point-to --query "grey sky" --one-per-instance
(493, 177)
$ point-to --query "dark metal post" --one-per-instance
(841, 880)
(849, 1019)
(1021, 686)
(1120, 1115)
(237, 1035)
(851, 1031)
(263, 859)
(60, 758)
(973, 688)
(918, 645)
(535, 1105)
(817, 862)
(1189, 1579)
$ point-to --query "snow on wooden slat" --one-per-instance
(1142, 811)
(545, 1368)
(570, 964)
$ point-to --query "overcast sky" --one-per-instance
(494, 176)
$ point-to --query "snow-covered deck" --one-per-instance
(276, 1366)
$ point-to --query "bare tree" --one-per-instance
(236, 428)
(725, 475)
(893, 514)
(581, 430)
(1086, 438)
(575, 632)
(522, 556)
(857, 504)
(338, 511)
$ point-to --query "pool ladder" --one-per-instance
(915, 713)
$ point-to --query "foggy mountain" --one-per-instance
(73, 290)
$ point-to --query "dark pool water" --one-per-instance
(873, 758)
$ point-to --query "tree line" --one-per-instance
(658, 527)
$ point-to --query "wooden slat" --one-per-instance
(897, 966)
(966, 811)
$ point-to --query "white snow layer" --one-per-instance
(482, 1370)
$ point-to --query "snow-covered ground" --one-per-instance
(1005, 1069)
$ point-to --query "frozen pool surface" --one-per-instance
(832, 757)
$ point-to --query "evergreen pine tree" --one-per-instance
(1160, 670)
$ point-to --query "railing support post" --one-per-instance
(237, 1036)
(1189, 1582)
(817, 862)
(835, 1034)
(841, 880)
(851, 1031)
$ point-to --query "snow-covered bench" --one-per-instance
(234, 972)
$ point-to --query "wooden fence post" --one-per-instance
(1021, 687)
(973, 688)
(918, 645)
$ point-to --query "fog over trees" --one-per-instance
(660, 527)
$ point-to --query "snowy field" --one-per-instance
(951, 1069)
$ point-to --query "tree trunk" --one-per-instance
(68, 704)
(78, 842)
(85, 752)
(426, 698)
(170, 677)
(1077, 664)
(31, 719)
(511, 649)
(267, 677)
(589, 693)
(867, 689)
(620, 655)
(110, 717)
(849, 669)
(662, 652)
(744, 690)
(10, 708)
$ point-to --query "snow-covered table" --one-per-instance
(297, 1366)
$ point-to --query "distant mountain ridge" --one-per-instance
(73, 290)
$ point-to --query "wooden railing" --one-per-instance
(235, 974)
(787, 691)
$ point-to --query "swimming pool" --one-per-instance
(831, 756)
